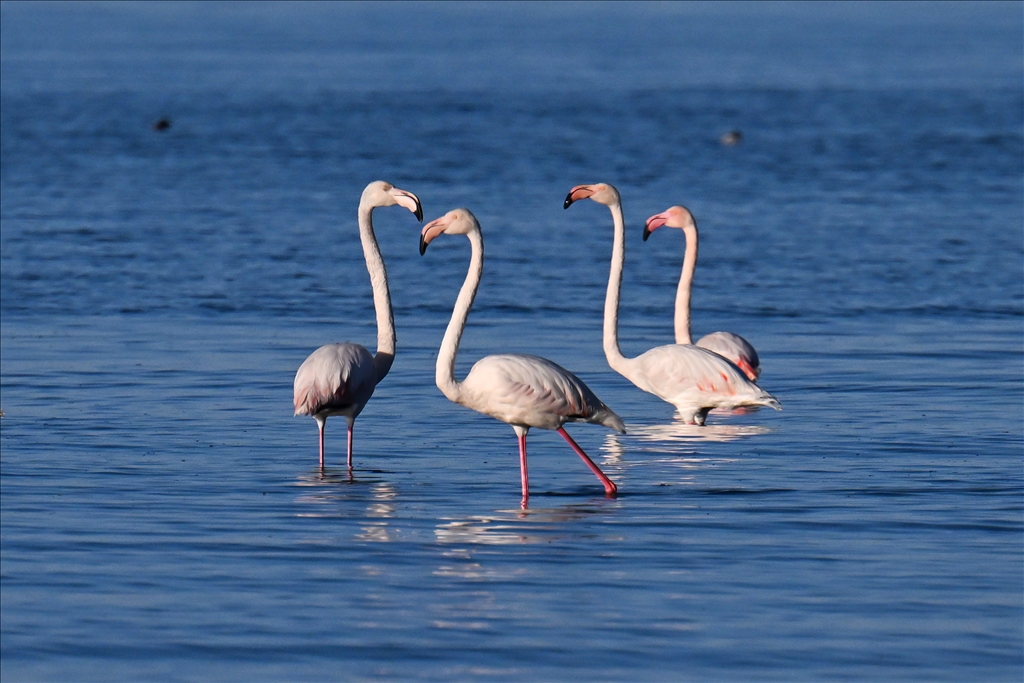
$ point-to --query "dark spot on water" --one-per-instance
(733, 137)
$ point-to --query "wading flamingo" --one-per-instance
(692, 379)
(521, 390)
(725, 344)
(338, 379)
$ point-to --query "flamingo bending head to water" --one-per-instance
(520, 390)
(338, 379)
(725, 344)
(691, 378)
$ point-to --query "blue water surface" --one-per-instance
(163, 515)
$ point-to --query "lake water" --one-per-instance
(163, 515)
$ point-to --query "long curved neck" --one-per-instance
(386, 338)
(445, 375)
(682, 322)
(611, 300)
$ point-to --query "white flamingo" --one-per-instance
(725, 344)
(692, 379)
(521, 390)
(338, 379)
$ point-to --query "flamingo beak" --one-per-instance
(431, 230)
(750, 372)
(577, 193)
(408, 200)
(653, 223)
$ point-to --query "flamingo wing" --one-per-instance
(337, 378)
(735, 349)
(531, 391)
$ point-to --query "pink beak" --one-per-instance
(750, 372)
(653, 223)
(432, 230)
(577, 193)
(408, 200)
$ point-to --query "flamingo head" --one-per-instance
(674, 217)
(380, 193)
(602, 193)
(455, 222)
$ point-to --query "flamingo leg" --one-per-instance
(522, 471)
(350, 446)
(321, 425)
(609, 485)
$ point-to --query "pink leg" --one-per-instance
(522, 471)
(350, 447)
(609, 485)
(321, 425)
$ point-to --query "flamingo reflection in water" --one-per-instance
(678, 437)
(517, 527)
(331, 500)
(380, 511)
(672, 448)
(682, 432)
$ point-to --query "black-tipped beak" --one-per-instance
(647, 233)
(418, 213)
(423, 245)
(568, 201)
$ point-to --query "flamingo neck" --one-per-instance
(682, 321)
(611, 301)
(386, 338)
(445, 375)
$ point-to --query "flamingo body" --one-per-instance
(529, 391)
(734, 348)
(694, 380)
(336, 379)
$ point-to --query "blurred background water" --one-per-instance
(162, 513)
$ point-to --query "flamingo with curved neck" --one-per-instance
(521, 390)
(338, 379)
(691, 378)
(726, 344)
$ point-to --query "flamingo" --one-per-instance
(521, 390)
(691, 378)
(338, 379)
(725, 344)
